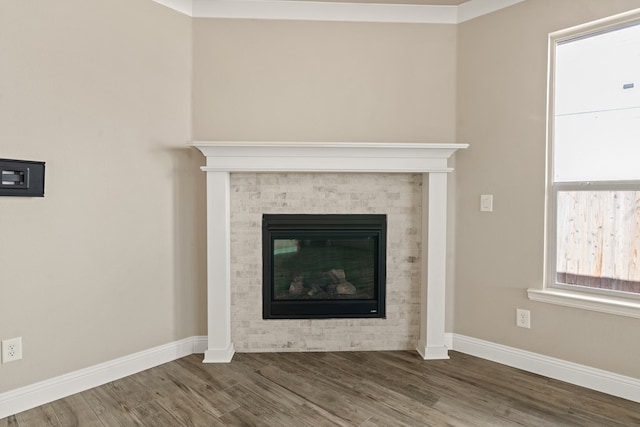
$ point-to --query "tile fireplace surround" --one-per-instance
(428, 159)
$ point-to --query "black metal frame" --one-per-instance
(286, 226)
(21, 178)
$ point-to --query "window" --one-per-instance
(594, 159)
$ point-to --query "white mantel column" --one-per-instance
(434, 264)
(220, 348)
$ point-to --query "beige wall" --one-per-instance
(111, 261)
(502, 60)
(323, 81)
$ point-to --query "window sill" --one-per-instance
(610, 305)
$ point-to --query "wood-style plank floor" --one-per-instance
(394, 388)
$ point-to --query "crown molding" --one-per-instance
(182, 6)
(336, 11)
(324, 11)
(475, 8)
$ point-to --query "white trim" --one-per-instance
(219, 355)
(337, 11)
(224, 157)
(182, 6)
(433, 353)
(24, 398)
(448, 340)
(324, 11)
(372, 157)
(595, 26)
(476, 8)
(585, 301)
(199, 344)
(584, 376)
(434, 266)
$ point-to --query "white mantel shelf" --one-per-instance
(429, 159)
(381, 157)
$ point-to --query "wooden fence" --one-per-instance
(598, 239)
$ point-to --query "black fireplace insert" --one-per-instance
(323, 266)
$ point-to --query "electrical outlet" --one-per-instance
(523, 318)
(11, 350)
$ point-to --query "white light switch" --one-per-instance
(486, 203)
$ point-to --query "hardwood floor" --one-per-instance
(334, 389)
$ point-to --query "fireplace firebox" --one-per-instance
(323, 266)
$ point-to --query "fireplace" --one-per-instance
(323, 266)
(428, 159)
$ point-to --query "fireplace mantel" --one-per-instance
(429, 159)
(326, 156)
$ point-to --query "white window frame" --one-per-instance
(606, 301)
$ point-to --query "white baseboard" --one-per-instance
(28, 397)
(37, 394)
(585, 376)
(448, 340)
